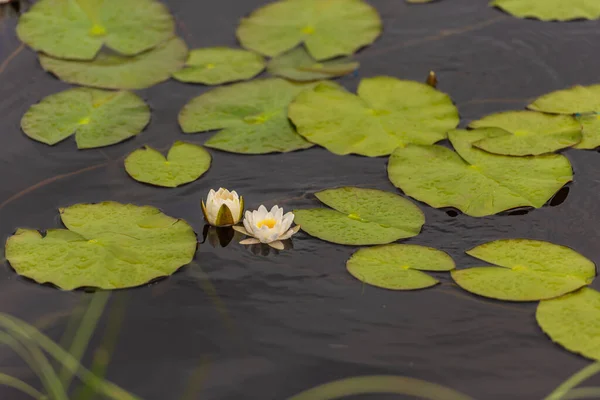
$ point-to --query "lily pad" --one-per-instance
(78, 29)
(185, 163)
(573, 321)
(550, 10)
(252, 117)
(387, 113)
(97, 117)
(112, 71)
(398, 266)
(582, 101)
(106, 245)
(299, 65)
(216, 65)
(477, 182)
(527, 270)
(531, 133)
(328, 28)
(361, 217)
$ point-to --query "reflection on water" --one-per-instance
(219, 236)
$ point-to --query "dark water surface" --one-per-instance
(266, 327)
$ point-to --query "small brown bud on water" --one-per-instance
(432, 79)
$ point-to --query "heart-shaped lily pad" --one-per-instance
(106, 245)
(328, 28)
(550, 10)
(531, 133)
(398, 266)
(299, 65)
(386, 113)
(252, 116)
(477, 182)
(185, 163)
(78, 29)
(581, 101)
(527, 270)
(361, 217)
(573, 321)
(112, 71)
(97, 117)
(216, 65)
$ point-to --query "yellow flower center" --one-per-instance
(268, 222)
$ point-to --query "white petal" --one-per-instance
(287, 221)
(278, 213)
(250, 241)
(241, 229)
(248, 225)
(235, 195)
(277, 245)
(262, 209)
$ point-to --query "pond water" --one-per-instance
(266, 326)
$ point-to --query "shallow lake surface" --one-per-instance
(267, 326)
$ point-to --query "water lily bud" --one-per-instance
(223, 208)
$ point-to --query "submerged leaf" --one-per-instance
(476, 182)
(550, 10)
(386, 113)
(361, 217)
(531, 133)
(573, 321)
(528, 270)
(328, 28)
(185, 163)
(117, 72)
(78, 29)
(107, 245)
(252, 116)
(97, 117)
(398, 266)
(298, 65)
(216, 65)
(582, 101)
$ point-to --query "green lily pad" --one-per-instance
(216, 65)
(112, 71)
(527, 270)
(550, 10)
(361, 217)
(252, 117)
(97, 117)
(78, 29)
(583, 101)
(299, 65)
(573, 321)
(327, 28)
(476, 182)
(185, 163)
(531, 133)
(106, 245)
(387, 113)
(398, 266)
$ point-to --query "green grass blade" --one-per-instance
(582, 393)
(18, 384)
(380, 384)
(574, 380)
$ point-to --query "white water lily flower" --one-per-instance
(270, 227)
(223, 208)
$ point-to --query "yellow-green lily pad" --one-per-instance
(477, 182)
(185, 163)
(385, 114)
(398, 266)
(252, 117)
(112, 71)
(106, 245)
(531, 133)
(581, 101)
(77, 29)
(217, 65)
(550, 10)
(328, 28)
(527, 270)
(573, 321)
(299, 65)
(361, 217)
(97, 117)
